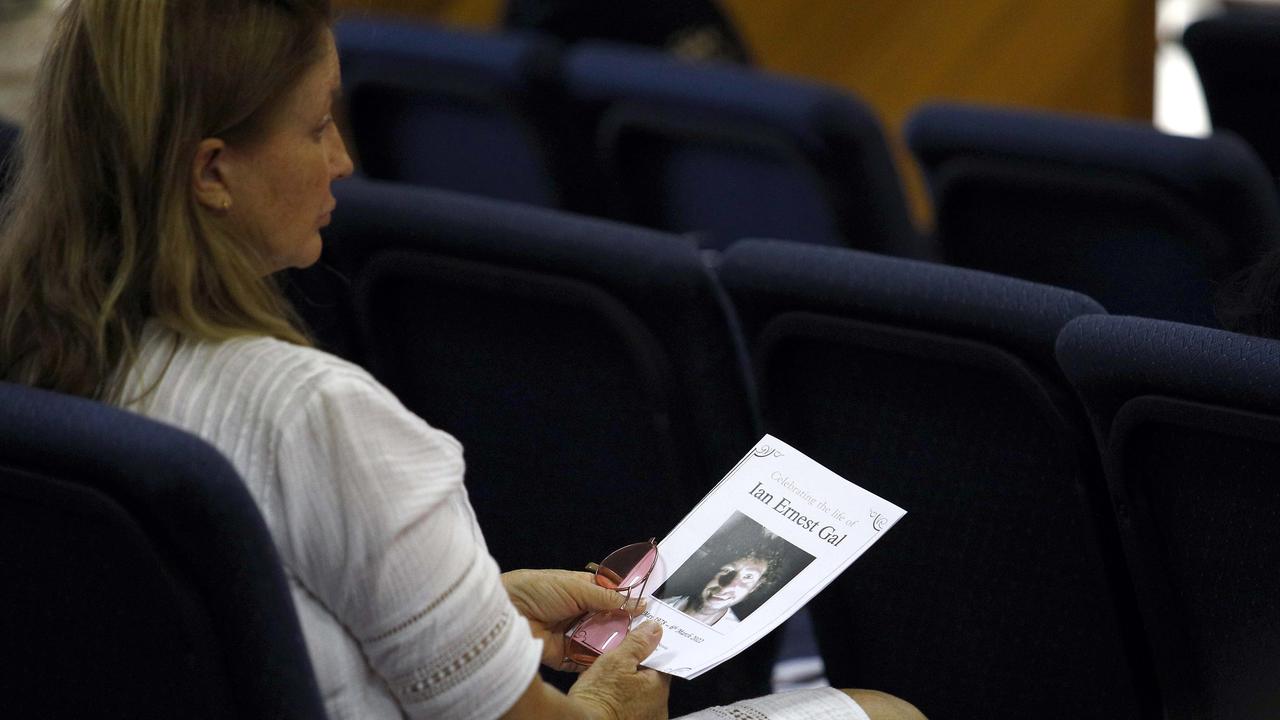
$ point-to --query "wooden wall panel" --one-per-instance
(1093, 56)
(1090, 57)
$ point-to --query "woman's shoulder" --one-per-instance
(307, 365)
(260, 375)
(265, 356)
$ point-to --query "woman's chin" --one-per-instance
(310, 254)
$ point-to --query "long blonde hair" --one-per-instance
(101, 230)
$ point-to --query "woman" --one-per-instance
(179, 153)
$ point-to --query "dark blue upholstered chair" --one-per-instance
(1145, 223)
(471, 112)
(1236, 55)
(590, 360)
(1001, 593)
(139, 580)
(588, 368)
(1189, 422)
(726, 152)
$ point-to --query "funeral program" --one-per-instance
(772, 534)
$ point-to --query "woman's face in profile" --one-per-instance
(284, 191)
(733, 583)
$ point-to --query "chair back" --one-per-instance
(725, 152)
(1189, 421)
(1235, 55)
(1145, 223)
(693, 29)
(587, 367)
(1001, 592)
(476, 113)
(139, 579)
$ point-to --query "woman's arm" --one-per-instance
(374, 522)
(376, 525)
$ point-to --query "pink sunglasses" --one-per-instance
(624, 570)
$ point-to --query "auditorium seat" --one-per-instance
(471, 112)
(1001, 592)
(588, 368)
(724, 152)
(1189, 422)
(1237, 57)
(139, 580)
(588, 360)
(1145, 223)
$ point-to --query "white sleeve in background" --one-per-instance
(816, 704)
(378, 529)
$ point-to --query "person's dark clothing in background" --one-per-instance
(695, 29)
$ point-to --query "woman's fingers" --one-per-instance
(591, 596)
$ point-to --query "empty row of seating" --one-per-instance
(1145, 223)
(625, 132)
(593, 369)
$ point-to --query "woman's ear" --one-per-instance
(208, 175)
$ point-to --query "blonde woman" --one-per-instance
(179, 153)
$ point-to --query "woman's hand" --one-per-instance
(614, 688)
(617, 688)
(551, 600)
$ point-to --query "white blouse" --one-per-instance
(400, 603)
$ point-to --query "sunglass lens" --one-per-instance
(627, 567)
(599, 632)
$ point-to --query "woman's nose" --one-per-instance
(341, 160)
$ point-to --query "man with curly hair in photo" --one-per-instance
(746, 571)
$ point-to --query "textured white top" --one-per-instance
(400, 603)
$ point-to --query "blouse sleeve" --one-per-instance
(378, 527)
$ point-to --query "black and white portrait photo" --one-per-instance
(738, 568)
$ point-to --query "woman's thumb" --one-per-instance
(640, 642)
